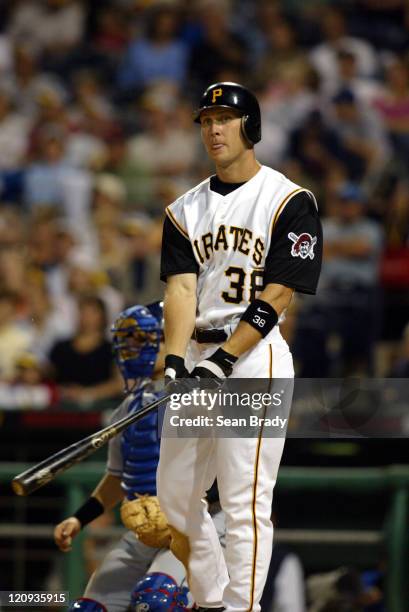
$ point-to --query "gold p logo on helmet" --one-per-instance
(216, 94)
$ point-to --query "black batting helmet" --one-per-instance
(233, 95)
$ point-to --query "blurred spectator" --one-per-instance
(30, 372)
(336, 37)
(41, 240)
(27, 83)
(106, 211)
(44, 177)
(393, 107)
(14, 133)
(392, 206)
(112, 31)
(220, 48)
(362, 137)
(48, 247)
(14, 339)
(139, 278)
(157, 56)
(28, 369)
(29, 389)
(53, 27)
(317, 151)
(348, 290)
(281, 52)
(92, 117)
(336, 332)
(84, 276)
(134, 173)
(112, 252)
(50, 110)
(255, 21)
(45, 323)
(12, 227)
(364, 88)
(65, 244)
(109, 198)
(286, 102)
(83, 365)
(13, 272)
(52, 182)
(166, 148)
(90, 100)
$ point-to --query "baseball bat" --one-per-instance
(42, 473)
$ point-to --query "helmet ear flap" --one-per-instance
(251, 131)
(244, 122)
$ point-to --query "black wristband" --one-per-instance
(89, 511)
(174, 367)
(260, 315)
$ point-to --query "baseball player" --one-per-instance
(139, 571)
(131, 474)
(235, 248)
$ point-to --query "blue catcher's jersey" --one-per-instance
(139, 445)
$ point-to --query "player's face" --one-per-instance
(221, 135)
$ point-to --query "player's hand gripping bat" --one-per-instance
(42, 473)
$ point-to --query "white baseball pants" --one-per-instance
(246, 470)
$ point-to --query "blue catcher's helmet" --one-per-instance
(158, 592)
(156, 581)
(156, 308)
(136, 338)
(83, 604)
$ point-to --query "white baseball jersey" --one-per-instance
(231, 237)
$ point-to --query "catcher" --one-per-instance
(130, 478)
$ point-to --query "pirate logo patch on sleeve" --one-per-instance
(303, 245)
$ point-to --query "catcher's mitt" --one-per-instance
(144, 517)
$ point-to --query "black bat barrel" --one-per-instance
(42, 473)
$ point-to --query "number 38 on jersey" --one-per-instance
(243, 283)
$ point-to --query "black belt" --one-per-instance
(209, 336)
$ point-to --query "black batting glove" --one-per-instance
(218, 366)
(175, 368)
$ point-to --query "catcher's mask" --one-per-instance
(158, 592)
(238, 97)
(137, 333)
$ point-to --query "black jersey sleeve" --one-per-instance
(295, 254)
(177, 253)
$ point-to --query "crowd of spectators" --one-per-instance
(96, 138)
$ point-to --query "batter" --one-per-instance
(234, 250)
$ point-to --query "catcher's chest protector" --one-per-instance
(140, 449)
